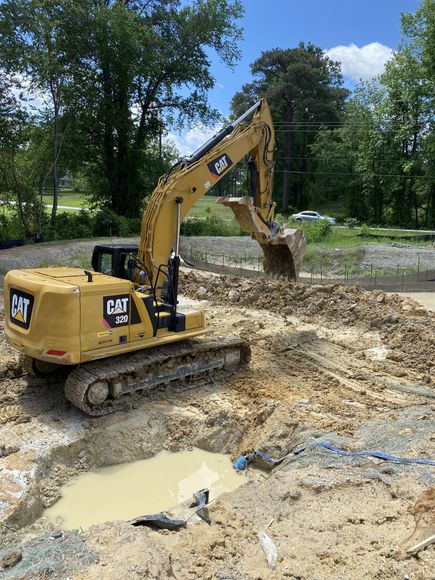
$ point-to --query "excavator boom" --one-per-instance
(193, 177)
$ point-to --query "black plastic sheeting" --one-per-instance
(162, 522)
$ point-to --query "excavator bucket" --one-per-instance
(283, 254)
(283, 248)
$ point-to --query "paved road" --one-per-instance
(67, 207)
(426, 299)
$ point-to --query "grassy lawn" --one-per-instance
(71, 198)
(204, 206)
(341, 237)
(200, 209)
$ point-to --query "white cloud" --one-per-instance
(187, 143)
(32, 99)
(361, 63)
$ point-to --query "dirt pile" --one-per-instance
(406, 327)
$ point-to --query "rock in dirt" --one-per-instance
(9, 560)
(233, 295)
(5, 450)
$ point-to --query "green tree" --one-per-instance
(418, 63)
(303, 88)
(386, 145)
(16, 164)
(34, 44)
(112, 74)
(140, 66)
(347, 160)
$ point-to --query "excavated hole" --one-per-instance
(136, 436)
(146, 486)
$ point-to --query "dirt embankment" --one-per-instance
(406, 327)
(337, 364)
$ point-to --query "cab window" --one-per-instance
(106, 264)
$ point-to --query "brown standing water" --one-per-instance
(148, 486)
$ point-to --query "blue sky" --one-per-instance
(359, 33)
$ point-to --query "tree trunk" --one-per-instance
(125, 200)
(431, 216)
(55, 94)
(287, 155)
(20, 200)
(108, 143)
(55, 176)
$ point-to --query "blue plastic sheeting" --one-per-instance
(242, 462)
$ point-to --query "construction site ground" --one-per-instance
(348, 367)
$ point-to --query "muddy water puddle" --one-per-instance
(148, 486)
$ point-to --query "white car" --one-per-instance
(312, 216)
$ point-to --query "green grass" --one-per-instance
(340, 237)
(204, 206)
(71, 198)
(207, 205)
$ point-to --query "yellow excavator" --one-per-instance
(103, 323)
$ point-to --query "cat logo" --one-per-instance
(116, 310)
(21, 306)
(117, 306)
(218, 166)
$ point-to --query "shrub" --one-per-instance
(109, 223)
(134, 226)
(365, 230)
(210, 226)
(70, 226)
(351, 222)
(317, 231)
(10, 228)
(314, 231)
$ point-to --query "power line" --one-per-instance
(310, 130)
(389, 159)
(358, 174)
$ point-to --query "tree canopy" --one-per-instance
(89, 88)
(380, 163)
(303, 88)
(112, 74)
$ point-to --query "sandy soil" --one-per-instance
(352, 368)
(426, 299)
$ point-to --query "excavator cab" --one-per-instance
(115, 260)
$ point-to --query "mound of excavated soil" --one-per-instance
(406, 327)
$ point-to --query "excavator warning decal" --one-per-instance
(218, 166)
(21, 308)
(116, 310)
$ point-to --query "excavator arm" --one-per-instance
(193, 177)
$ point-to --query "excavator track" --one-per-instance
(102, 387)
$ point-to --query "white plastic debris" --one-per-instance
(269, 548)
